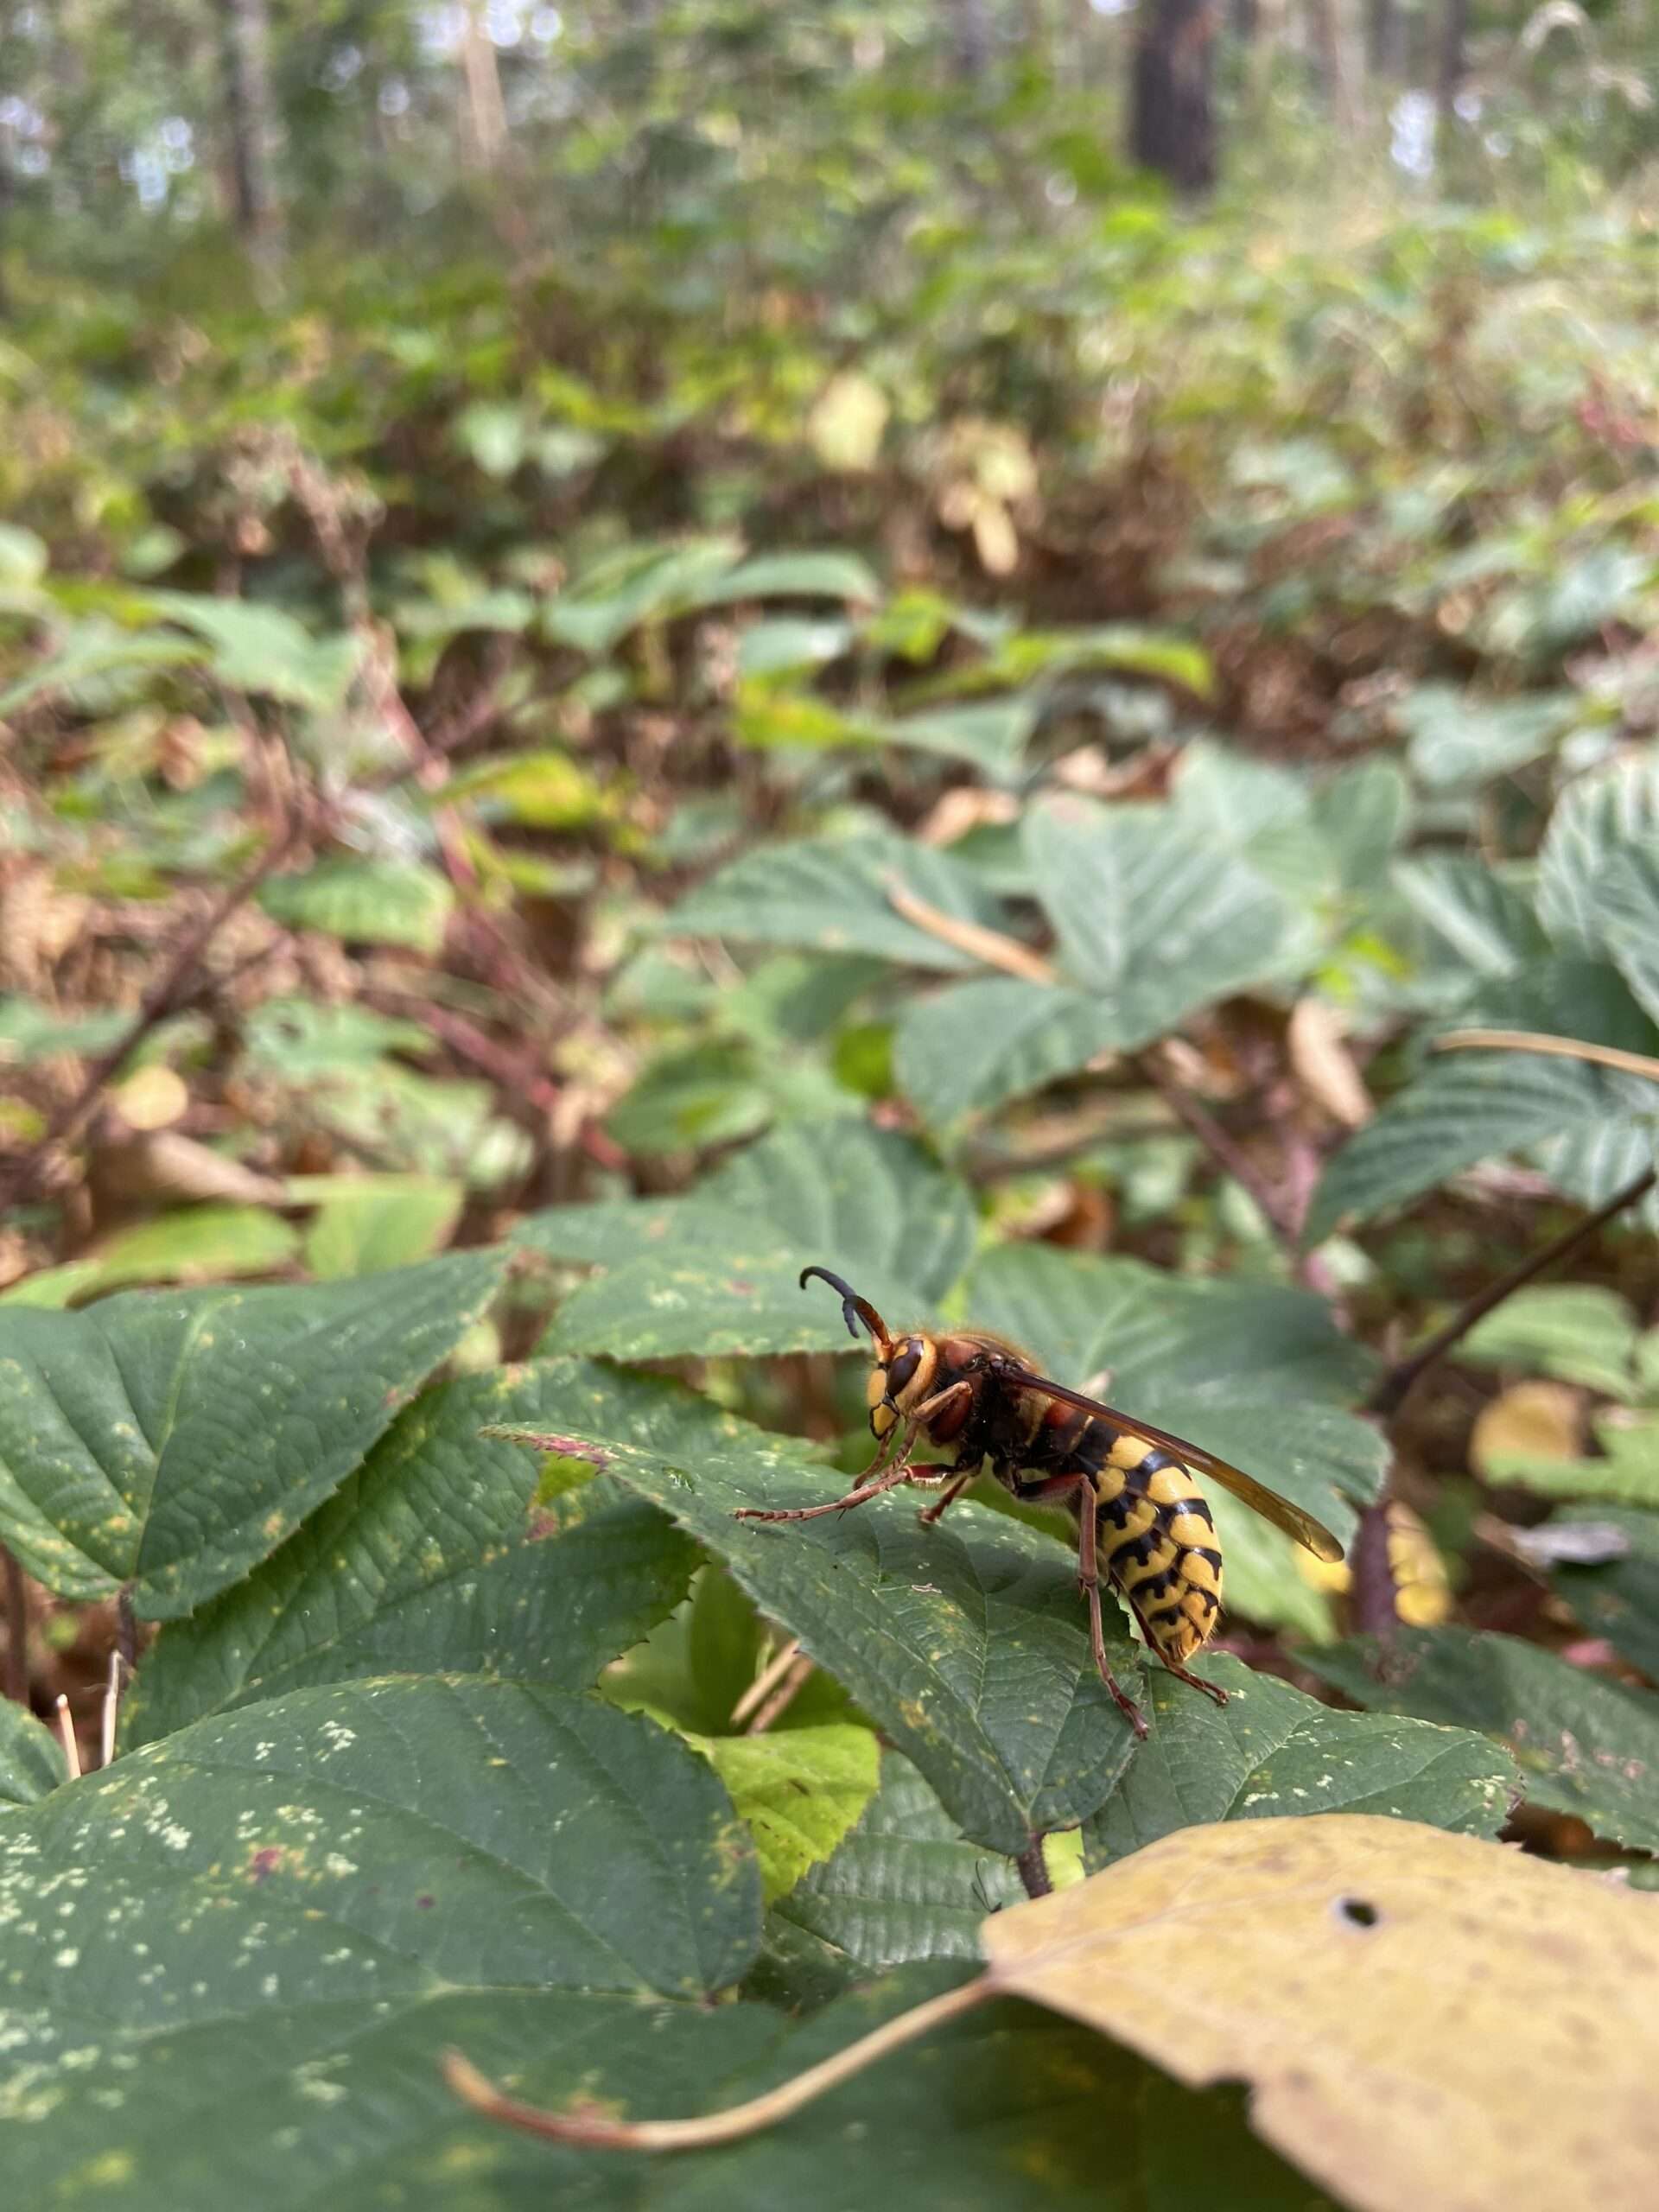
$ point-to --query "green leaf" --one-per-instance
(263, 649)
(196, 1243)
(1468, 1107)
(1362, 812)
(831, 895)
(1455, 737)
(298, 1039)
(364, 902)
(720, 1272)
(1599, 820)
(643, 583)
(366, 1224)
(1583, 1745)
(872, 1198)
(170, 1442)
(91, 648)
(542, 788)
(23, 557)
(1146, 913)
(708, 1093)
(788, 642)
(800, 1789)
(1619, 1598)
(1120, 647)
(330, 1888)
(30, 1034)
(991, 735)
(1627, 909)
(972, 1046)
(856, 1196)
(966, 1644)
(1487, 919)
(32, 1763)
(831, 575)
(606, 1233)
(1627, 1468)
(722, 1288)
(1259, 1374)
(1270, 1752)
(434, 1555)
(1581, 1332)
(904, 1885)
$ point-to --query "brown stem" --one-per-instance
(991, 948)
(1375, 1605)
(994, 950)
(1033, 1869)
(595, 2132)
(766, 1682)
(17, 1629)
(1558, 1048)
(66, 1736)
(160, 1000)
(783, 1697)
(1392, 1391)
(1227, 1155)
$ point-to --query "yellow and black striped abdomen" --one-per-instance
(1157, 1542)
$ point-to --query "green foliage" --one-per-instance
(1271, 1753)
(1583, 1745)
(872, 694)
(434, 1555)
(965, 1644)
(170, 1444)
(31, 1760)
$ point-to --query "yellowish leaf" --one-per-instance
(1425, 2019)
(847, 421)
(152, 1098)
(1529, 1422)
(1324, 1065)
(995, 540)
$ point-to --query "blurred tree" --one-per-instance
(251, 118)
(1172, 114)
(1386, 38)
(970, 37)
(1454, 60)
(484, 114)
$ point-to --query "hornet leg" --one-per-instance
(1173, 1667)
(895, 1475)
(866, 1490)
(1089, 1583)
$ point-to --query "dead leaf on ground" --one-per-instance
(1324, 1065)
(1528, 1422)
(1426, 2020)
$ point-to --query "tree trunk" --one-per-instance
(484, 115)
(1246, 21)
(1454, 63)
(1385, 39)
(1172, 119)
(971, 38)
(1326, 42)
(250, 114)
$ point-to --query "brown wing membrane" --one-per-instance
(1308, 1532)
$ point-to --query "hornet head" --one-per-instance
(903, 1373)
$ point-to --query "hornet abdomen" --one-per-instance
(1157, 1543)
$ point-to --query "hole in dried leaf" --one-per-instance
(1357, 1910)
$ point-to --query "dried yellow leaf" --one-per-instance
(1426, 2020)
(152, 1098)
(1528, 1422)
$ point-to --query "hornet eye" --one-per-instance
(900, 1370)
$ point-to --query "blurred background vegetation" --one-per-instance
(552, 558)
